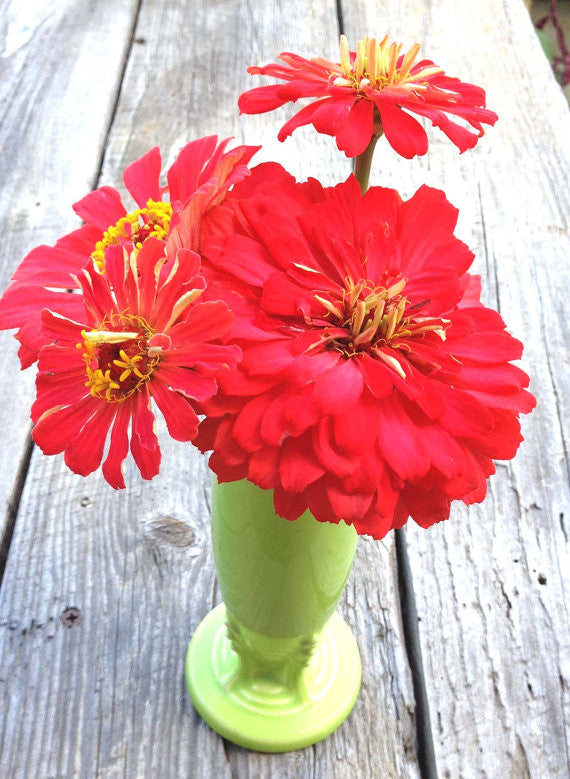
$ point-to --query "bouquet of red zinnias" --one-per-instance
(331, 337)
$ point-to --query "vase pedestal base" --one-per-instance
(269, 711)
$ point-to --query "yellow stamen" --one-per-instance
(359, 66)
(391, 322)
(376, 320)
(391, 362)
(114, 373)
(104, 336)
(129, 364)
(408, 60)
(372, 48)
(151, 221)
(329, 306)
(358, 317)
(378, 312)
(182, 304)
(345, 55)
(396, 288)
(376, 66)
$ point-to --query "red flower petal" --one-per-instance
(330, 457)
(400, 441)
(419, 87)
(261, 99)
(184, 173)
(57, 427)
(118, 448)
(348, 507)
(263, 467)
(142, 177)
(356, 133)
(60, 328)
(203, 322)
(246, 428)
(377, 376)
(58, 390)
(326, 115)
(180, 417)
(143, 420)
(187, 381)
(297, 465)
(337, 390)
(289, 505)
(148, 460)
(404, 134)
(101, 208)
(83, 455)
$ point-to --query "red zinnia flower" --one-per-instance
(197, 180)
(142, 336)
(374, 385)
(366, 93)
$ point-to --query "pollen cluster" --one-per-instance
(118, 362)
(368, 317)
(153, 220)
(377, 65)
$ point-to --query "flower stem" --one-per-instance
(363, 162)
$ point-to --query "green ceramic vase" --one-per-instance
(273, 667)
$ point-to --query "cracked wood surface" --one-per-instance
(54, 120)
(491, 584)
(99, 690)
(102, 590)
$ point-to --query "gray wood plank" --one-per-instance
(105, 696)
(54, 119)
(491, 584)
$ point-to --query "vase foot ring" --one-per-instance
(259, 714)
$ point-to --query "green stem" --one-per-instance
(363, 162)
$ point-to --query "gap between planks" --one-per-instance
(424, 733)
(13, 505)
(426, 756)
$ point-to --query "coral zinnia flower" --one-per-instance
(366, 93)
(197, 180)
(374, 385)
(142, 336)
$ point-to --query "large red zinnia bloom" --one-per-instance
(143, 336)
(371, 91)
(198, 179)
(374, 385)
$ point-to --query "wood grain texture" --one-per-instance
(54, 119)
(103, 590)
(491, 584)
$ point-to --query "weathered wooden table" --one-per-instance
(101, 590)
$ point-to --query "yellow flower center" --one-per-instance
(118, 359)
(374, 317)
(375, 66)
(153, 220)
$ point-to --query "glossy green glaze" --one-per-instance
(277, 577)
(274, 669)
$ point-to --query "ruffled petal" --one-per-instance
(404, 134)
(118, 448)
(101, 208)
(142, 177)
(356, 133)
(183, 174)
(180, 417)
(84, 453)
